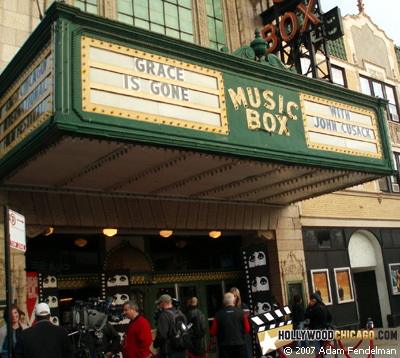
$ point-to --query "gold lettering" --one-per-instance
(283, 121)
(257, 102)
(253, 119)
(269, 128)
(267, 96)
(280, 104)
(238, 98)
(289, 110)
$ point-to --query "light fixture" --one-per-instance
(49, 231)
(166, 233)
(215, 234)
(110, 231)
(80, 242)
(66, 299)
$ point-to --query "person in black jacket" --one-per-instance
(299, 319)
(165, 324)
(238, 303)
(107, 343)
(44, 340)
(317, 313)
(196, 318)
(229, 326)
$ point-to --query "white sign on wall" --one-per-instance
(17, 230)
(125, 82)
(341, 128)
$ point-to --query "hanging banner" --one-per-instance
(48, 292)
(31, 296)
(257, 278)
(258, 284)
(115, 290)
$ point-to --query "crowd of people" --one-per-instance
(230, 326)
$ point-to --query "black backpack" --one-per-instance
(180, 338)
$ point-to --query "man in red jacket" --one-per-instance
(137, 338)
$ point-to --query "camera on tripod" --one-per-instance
(93, 315)
(86, 322)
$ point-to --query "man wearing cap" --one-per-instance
(44, 340)
(164, 328)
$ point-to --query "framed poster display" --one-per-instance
(322, 285)
(394, 270)
(344, 285)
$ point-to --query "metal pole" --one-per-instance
(7, 267)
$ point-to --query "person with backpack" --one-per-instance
(230, 326)
(196, 318)
(319, 317)
(173, 336)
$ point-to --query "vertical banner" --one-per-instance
(48, 292)
(32, 294)
(257, 280)
(115, 289)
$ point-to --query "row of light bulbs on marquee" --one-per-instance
(168, 233)
(164, 233)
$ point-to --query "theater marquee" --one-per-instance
(28, 103)
(337, 127)
(129, 83)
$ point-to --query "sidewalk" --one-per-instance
(384, 348)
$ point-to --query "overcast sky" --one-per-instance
(384, 13)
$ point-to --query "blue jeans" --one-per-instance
(304, 343)
(318, 346)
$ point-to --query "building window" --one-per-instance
(338, 76)
(87, 5)
(382, 90)
(169, 17)
(215, 22)
(323, 239)
(391, 184)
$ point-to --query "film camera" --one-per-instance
(86, 322)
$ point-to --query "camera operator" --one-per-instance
(95, 336)
(107, 341)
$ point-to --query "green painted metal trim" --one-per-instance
(69, 24)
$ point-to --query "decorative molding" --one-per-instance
(91, 280)
(78, 282)
(201, 276)
(200, 22)
(292, 265)
(124, 244)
